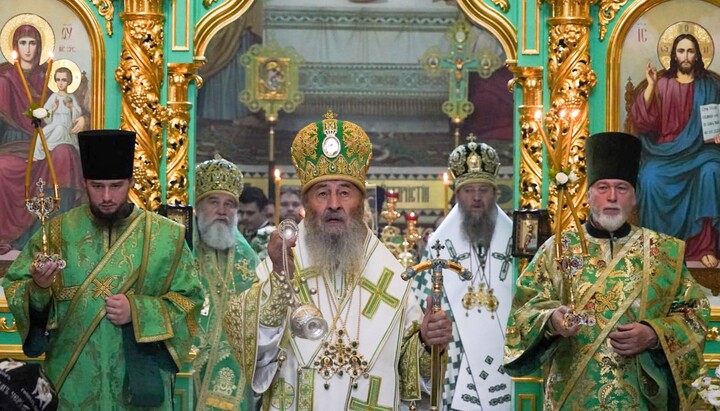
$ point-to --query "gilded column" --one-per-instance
(529, 79)
(140, 75)
(179, 77)
(570, 79)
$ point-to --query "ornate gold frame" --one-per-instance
(97, 43)
(614, 49)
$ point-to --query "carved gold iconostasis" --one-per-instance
(140, 64)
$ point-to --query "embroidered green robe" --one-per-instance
(85, 355)
(218, 378)
(645, 281)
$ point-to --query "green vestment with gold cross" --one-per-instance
(371, 365)
(639, 277)
(143, 256)
(219, 382)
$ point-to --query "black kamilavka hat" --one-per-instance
(107, 154)
(612, 155)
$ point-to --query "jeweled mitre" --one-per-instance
(474, 162)
(217, 176)
(331, 149)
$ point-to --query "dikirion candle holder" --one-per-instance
(41, 207)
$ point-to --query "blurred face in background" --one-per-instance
(251, 217)
(290, 207)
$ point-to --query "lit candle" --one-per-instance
(16, 62)
(446, 192)
(47, 79)
(278, 181)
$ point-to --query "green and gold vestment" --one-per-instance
(143, 256)
(378, 311)
(218, 378)
(643, 280)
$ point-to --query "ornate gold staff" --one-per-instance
(40, 206)
(437, 366)
(563, 175)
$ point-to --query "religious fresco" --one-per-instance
(679, 181)
(34, 33)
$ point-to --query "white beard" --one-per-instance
(610, 222)
(217, 234)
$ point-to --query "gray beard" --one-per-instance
(217, 234)
(479, 229)
(607, 222)
(334, 250)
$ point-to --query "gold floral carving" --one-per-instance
(503, 4)
(107, 10)
(529, 79)
(608, 10)
(208, 3)
(179, 77)
(570, 80)
(140, 75)
(5, 328)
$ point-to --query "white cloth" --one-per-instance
(474, 379)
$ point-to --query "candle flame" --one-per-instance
(446, 179)
(277, 174)
(563, 113)
(575, 113)
(538, 115)
(14, 55)
(51, 55)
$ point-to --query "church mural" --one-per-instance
(679, 180)
(37, 36)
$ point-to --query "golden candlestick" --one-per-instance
(390, 235)
(40, 206)
(563, 176)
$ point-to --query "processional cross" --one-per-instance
(458, 63)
